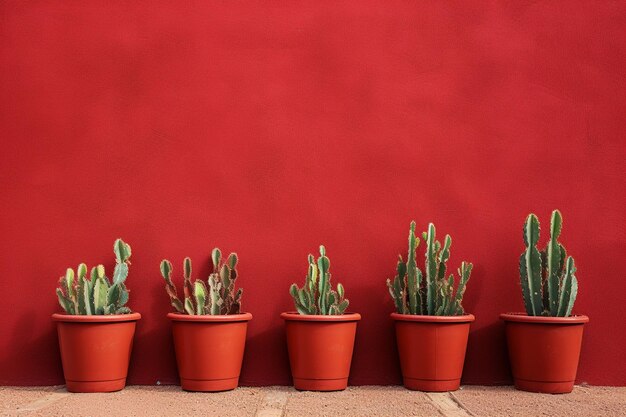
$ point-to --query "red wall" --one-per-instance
(181, 126)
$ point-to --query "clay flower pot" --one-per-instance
(209, 350)
(95, 350)
(320, 349)
(432, 350)
(544, 351)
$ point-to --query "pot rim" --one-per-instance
(466, 318)
(208, 318)
(295, 316)
(82, 318)
(525, 318)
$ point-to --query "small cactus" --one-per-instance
(96, 294)
(549, 286)
(434, 295)
(218, 296)
(317, 295)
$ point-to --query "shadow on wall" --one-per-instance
(497, 360)
(32, 342)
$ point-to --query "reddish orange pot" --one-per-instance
(209, 350)
(95, 350)
(544, 351)
(320, 349)
(432, 350)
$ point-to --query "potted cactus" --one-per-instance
(544, 343)
(96, 319)
(431, 325)
(208, 326)
(320, 334)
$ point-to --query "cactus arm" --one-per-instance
(530, 268)
(431, 270)
(64, 302)
(554, 263)
(214, 293)
(86, 296)
(323, 265)
(187, 286)
(412, 287)
(200, 295)
(216, 256)
(170, 288)
(569, 289)
(464, 274)
(343, 306)
(443, 257)
(122, 251)
(120, 273)
(123, 295)
(298, 300)
(113, 294)
(189, 307)
(572, 297)
(100, 291)
(123, 310)
(235, 307)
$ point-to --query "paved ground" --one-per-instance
(284, 401)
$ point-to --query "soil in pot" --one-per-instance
(95, 350)
(432, 350)
(320, 349)
(209, 350)
(544, 351)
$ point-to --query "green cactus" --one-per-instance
(436, 295)
(218, 296)
(96, 294)
(549, 286)
(316, 295)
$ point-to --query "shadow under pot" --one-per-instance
(432, 350)
(209, 350)
(95, 350)
(320, 349)
(544, 351)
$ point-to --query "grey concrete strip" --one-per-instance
(274, 402)
(43, 402)
(446, 405)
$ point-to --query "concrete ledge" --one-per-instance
(375, 401)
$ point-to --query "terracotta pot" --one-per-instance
(432, 350)
(320, 349)
(209, 350)
(95, 350)
(544, 351)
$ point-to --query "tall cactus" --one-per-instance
(316, 295)
(217, 297)
(549, 286)
(96, 294)
(436, 295)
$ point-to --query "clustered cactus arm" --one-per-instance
(549, 286)
(96, 294)
(436, 295)
(218, 296)
(316, 295)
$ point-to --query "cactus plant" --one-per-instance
(549, 286)
(96, 294)
(317, 295)
(219, 297)
(428, 293)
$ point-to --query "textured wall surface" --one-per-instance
(267, 130)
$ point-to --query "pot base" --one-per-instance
(209, 385)
(96, 386)
(544, 387)
(430, 385)
(302, 384)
